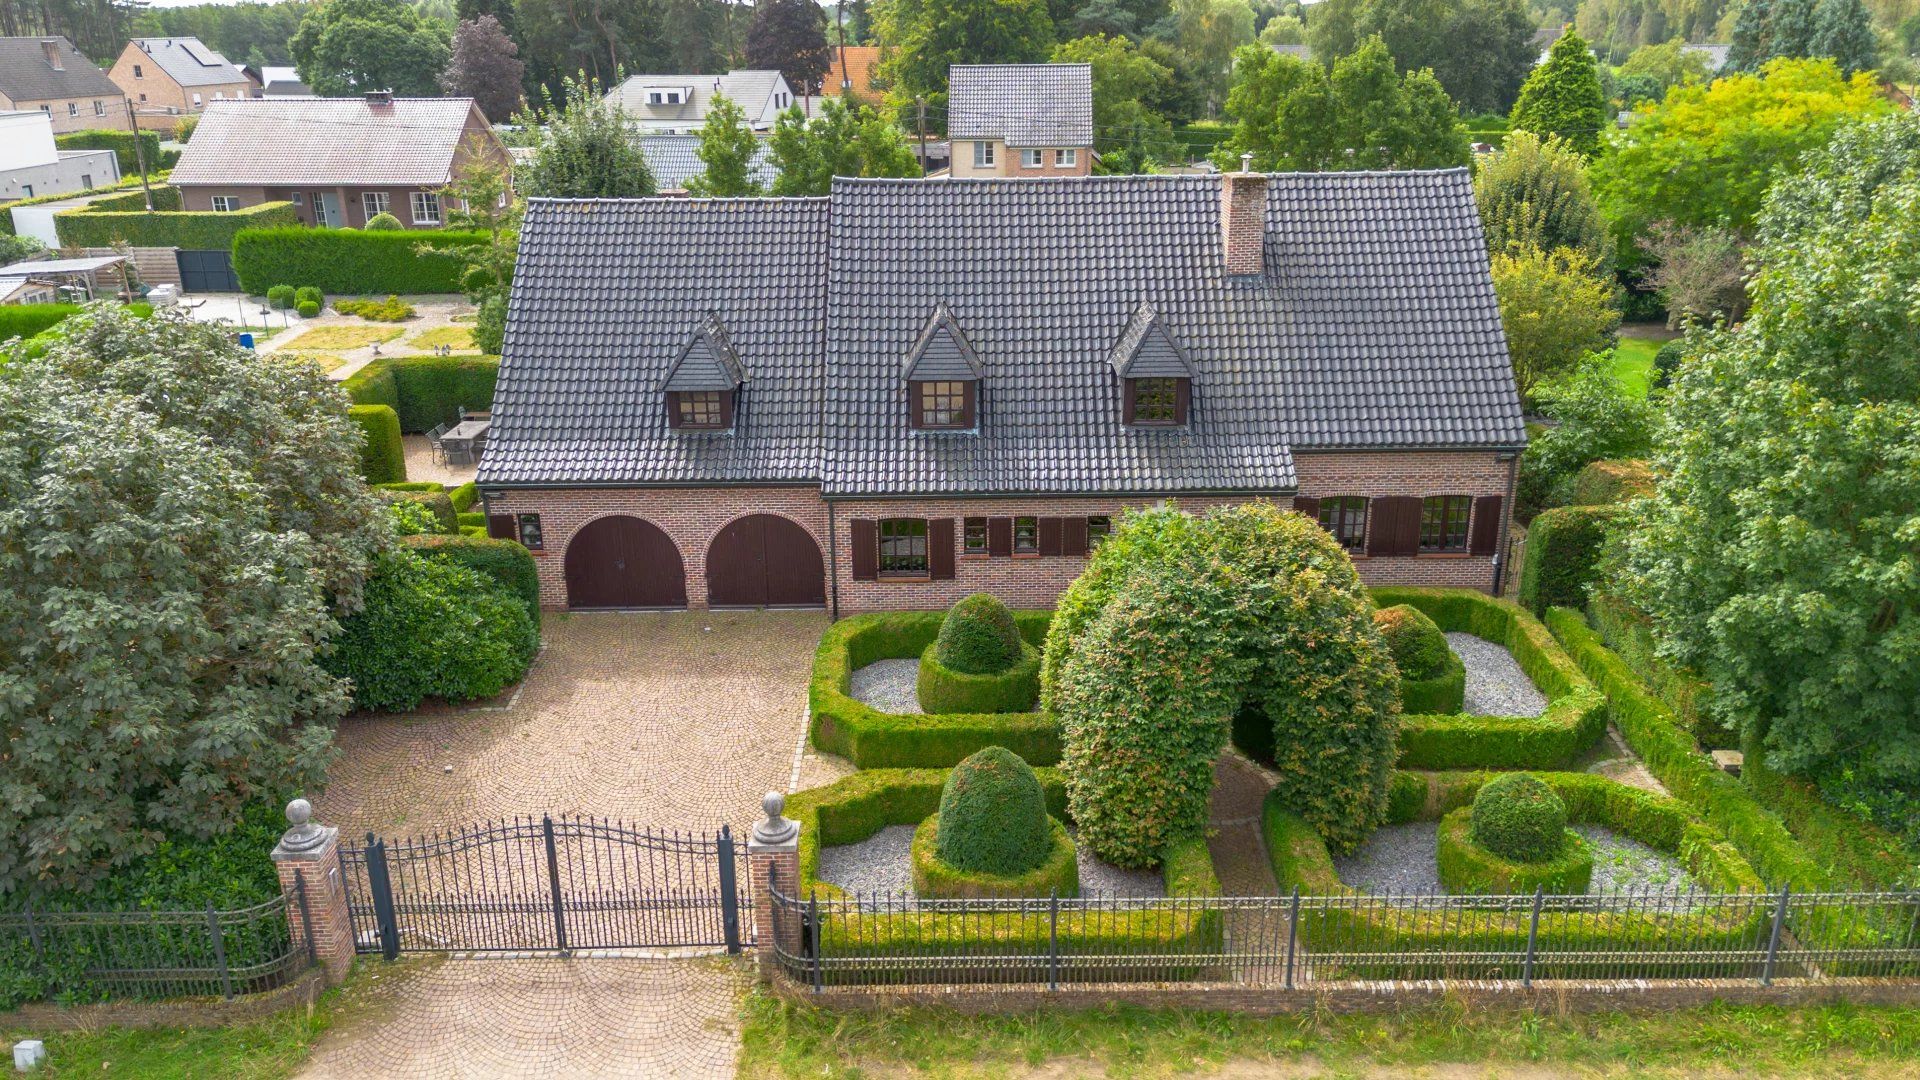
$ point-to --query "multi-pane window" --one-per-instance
(1156, 401)
(941, 404)
(983, 155)
(1345, 516)
(1098, 529)
(1443, 522)
(99, 108)
(1066, 159)
(226, 204)
(73, 108)
(1030, 159)
(426, 208)
(974, 537)
(1026, 536)
(530, 531)
(903, 546)
(701, 409)
(375, 202)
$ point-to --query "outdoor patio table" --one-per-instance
(458, 440)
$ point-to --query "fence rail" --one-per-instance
(1300, 941)
(78, 956)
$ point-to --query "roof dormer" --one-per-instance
(1155, 371)
(704, 380)
(943, 376)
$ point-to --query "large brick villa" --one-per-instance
(909, 391)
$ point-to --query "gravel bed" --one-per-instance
(883, 863)
(1495, 684)
(887, 685)
(1401, 859)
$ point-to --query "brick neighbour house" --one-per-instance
(176, 75)
(913, 390)
(1020, 119)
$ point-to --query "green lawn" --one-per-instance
(1633, 363)
(1461, 1039)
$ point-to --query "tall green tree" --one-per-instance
(1293, 115)
(1667, 65)
(1210, 32)
(727, 148)
(1563, 97)
(1127, 134)
(808, 153)
(347, 47)
(1776, 558)
(587, 150)
(1534, 194)
(1844, 31)
(1750, 46)
(479, 199)
(790, 36)
(1480, 50)
(1556, 308)
(925, 37)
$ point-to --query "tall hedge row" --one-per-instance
(351, 261)
(426, 390)
(120, 142)
(200, 230)
(7, 208)
(165, 197)
(382, 458)
(1562, 555)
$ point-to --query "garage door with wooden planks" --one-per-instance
(765, 560)
(624, 562)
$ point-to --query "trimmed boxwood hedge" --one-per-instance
(1628, 632)
(1466, 867)
(504, 561)
(382, 459)
(120, 142)
(6, 208)
(1057, 875)
(164, 196)
(426, 390)
(1603, 483)
(1562, 555)
(872, 739)
(1576, 713)
(1517, 816)
(465, 496)
(942, 690)
(352, 262)
(202, 230)
(435, 501)
(1432, 677)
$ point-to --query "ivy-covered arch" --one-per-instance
(1179, 623)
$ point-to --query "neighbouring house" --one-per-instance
(339, 161)
(677, 104)
(49, 75)
(176, 75)
(32, 167)
(850, 74)
(1020, 119)
(675, 159)
(17, 287)
(909, 391)
(271, 81)
(1716, 55)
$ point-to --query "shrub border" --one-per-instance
(1466, 867)
(952, 691)
(932, 877)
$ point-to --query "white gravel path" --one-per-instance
(1401, 859)
(1495, 684)
(882, 863)
(887, 685)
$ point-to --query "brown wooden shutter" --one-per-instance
(726, 407)
(500, 527)
(1126, 401)
(1073, 536)
(673, 409)
(1182, 399)
(972, 408)
(1308, 505)
(1396, 526)
(1049, 536)
(1486, 525)
(999, 536)
(940, 549)
(866, 550)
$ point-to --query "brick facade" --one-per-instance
(692, 517)
(1243, 221)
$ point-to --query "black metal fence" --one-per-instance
(1300, 941)
(84, 956)
(548, 884)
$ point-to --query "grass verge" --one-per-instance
(780, 1039)
(1633, 364)
(460, 337)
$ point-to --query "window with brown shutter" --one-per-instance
(866, 550)
(1026, 536)
(1308, 505)
(1486, 525)
(1073, 536)
(1443, 523)
(903, 547)
(973, 537)
(1345, 516)
(500, 526)
(1394, 528)
(940, 549)
(1049, 536)
(1000, 536)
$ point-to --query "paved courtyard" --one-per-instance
(679, 719)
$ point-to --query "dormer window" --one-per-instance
(709, 409)
(1156, 374)
(667, 97)
(1157, 402)
(704, 382)
(942, 403)
(943, 376)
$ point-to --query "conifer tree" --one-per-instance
(1563, 97)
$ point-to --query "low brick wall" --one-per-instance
(178, 1013)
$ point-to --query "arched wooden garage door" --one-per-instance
(624, 562)
(765, 560)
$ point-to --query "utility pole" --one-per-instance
(920, 106)
(840, 27)
(140, 152)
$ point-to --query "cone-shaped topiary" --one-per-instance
(978, 637)
(1517, 816)
(1419, 649)
(993, 815)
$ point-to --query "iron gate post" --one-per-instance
(1293, 933)
(553, 884)
(385, 922)
(306, 915)
(773, 863)
(1773, 936)
(1053, 939)
(729, 898)
(219, 950)
(1533, 937)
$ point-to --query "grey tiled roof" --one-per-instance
(189, 62)
(751, 90)
(1373, 326)
(675, 159)
(1021, 104)
(25, 74)
(282, 141)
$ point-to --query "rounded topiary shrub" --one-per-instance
(944, 690)
(993, 815)
(384, 222)
(307, 293)
(308, 309)
(978, 637)
(1516, 816)
(1057, 875)
(280, 297)
(1467, 868)
(1432, 678)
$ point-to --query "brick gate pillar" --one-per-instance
(773, 858)
(308, 860)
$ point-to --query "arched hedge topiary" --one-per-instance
(1518, 817)
(1178, 623)
(1419, 648)
(993, 815)
(978, 637)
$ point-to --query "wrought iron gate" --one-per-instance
(549, 884)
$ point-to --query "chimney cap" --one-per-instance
(1246, 162)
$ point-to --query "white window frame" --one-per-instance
(1032, 159)
(226, 204)
(99, 108)
(983, 155)
(196, 101)
(1066, 158)
(375, 202)
(426, 208)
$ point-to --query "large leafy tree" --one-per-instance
(586, 148)
(1210, 32)
(1534, 193)
(347, 47)
(1480, 50)
(179, 519)
(1777, 556)
(1563, 97)
(1556, 308)
(925, 37)
(809, 153)
(1840, 30)
(1664, 66)
(790, 36)
(726, 148)
(485, 67)
(1843, 30)
(1126, 131)
(1707, 154)
(1294, 115)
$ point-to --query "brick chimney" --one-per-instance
(51, 49)
(1243, 218)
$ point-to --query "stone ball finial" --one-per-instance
(776, 829)
(303, 834)
(299, 812)
(775, 804)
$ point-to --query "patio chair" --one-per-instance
(433, 440)
(460, 452)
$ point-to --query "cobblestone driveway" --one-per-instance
(667, 719)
